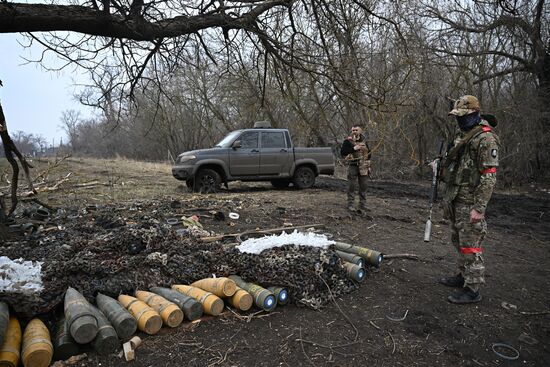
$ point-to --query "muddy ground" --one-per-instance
(355, 328)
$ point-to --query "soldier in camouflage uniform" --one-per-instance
(469, 173)
(357, 154)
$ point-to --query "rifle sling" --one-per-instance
(457, 149)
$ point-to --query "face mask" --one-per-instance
(467, 122)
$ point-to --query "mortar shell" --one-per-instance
(81, 323)
(148, 320)
(355, 272)
(123, 322)
(281, 294)
(352, 258)
(221, 287)
(10, 349)
(212, 304)
(241, 300)
(171, 314)
(64, 345)
(106, 341)
(192, 309)
(371, 257)
(37, 349)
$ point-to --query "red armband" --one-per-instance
(489, 170)
(471, 250)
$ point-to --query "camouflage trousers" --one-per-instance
(467, 237)
(354, 180)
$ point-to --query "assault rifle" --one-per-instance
(436, 168)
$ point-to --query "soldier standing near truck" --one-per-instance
(469, 172)
(357, 155)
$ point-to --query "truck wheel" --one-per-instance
(207, 181)
(304, 177)
(280, 184)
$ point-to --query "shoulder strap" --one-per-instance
(455, 151)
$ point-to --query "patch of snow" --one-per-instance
(257, 245)
(20, 275)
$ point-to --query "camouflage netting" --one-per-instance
(101, 251)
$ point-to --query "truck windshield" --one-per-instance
(229, 138)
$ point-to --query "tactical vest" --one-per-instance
(460, 168)
(359, 158)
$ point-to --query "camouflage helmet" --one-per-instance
(465, 105)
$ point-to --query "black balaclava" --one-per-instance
(467, 122)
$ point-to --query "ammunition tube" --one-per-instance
(192, 309)
(81, 323)
(123, 322)
(263, 298)
(371, 257)
(4, 320)
(352, 258)
(281, 294)
(171, 314)
(106, 341)
(355, 272)
(64, 345)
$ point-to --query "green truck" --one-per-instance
(258, 154)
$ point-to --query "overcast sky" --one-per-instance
(32, 98)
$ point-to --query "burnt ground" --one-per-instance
(355, 328)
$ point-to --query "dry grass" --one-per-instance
(97, 180)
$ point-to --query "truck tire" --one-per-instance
(304, 177)
(190, 183)
(280, 183)
(207, 181)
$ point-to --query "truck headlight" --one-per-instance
(185, 158)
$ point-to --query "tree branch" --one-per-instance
(17, 17)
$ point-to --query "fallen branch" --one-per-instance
(261, 231)
(57, 184)
(50, 167)
(401, 256)
(535, 313)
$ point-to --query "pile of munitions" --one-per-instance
(111, 259)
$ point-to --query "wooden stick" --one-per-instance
(401, 256)
(233, 235)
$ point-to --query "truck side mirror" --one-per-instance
(236, 144)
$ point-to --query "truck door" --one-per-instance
(245, 160)
(276, 156)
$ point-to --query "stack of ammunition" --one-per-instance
(114, 320)
(355, 258)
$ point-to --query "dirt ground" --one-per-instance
(355, 328)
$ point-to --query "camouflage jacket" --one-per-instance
(469, 171)
(360, 158)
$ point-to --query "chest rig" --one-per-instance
(460, 167)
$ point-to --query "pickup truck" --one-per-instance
(258, 154)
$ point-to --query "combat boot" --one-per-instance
(456, 281)
(464, 296)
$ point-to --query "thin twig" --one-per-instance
(303, 349)
(399, 319)
(393, 340)
(534, 313)
(401, 256)
(340, 309)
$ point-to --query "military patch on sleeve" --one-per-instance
(494, 153)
